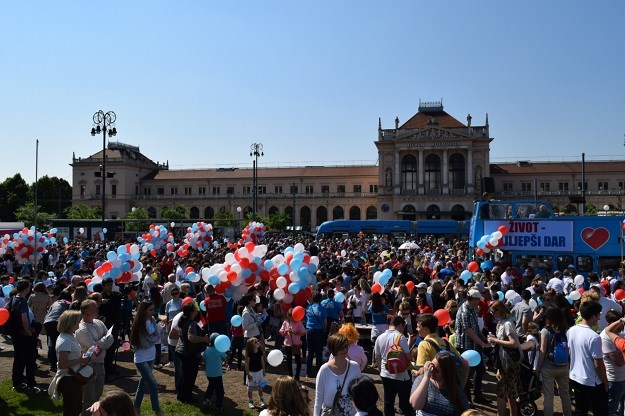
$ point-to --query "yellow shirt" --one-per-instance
(427, 352)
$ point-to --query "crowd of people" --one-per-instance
(535, 332)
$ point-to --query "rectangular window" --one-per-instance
(136, 189)
(201, 190)
(579, 186)
(262, 189)
(216, 190)
(230, 190)
(247, 190)
(160, 191)
(83, 189)
(563, 186)
(113, 189)
(294, 189)
(147, 191)
(621, 186)
(507, 187)
(544, 186)
(526, 186)
(373, 189)
(602, 186)
(357, 189)
(325, 189)
(174, 190)
(277, 189)
(98, 189)
(309, 189)
(340, 189)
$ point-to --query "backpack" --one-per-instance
(558, 350)
(13, 325)
(396, 361)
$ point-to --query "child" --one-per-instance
(238, 342)
(255, 369)
(213, 360)
(292, 332)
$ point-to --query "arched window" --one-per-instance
(322, 215)
(289, 211)
(456, 171)
(152, 212)
(432, 172)
(409, 213)
(304, 218)
(247, 210)
(209, 213)
(274, 210)
(194, 213)
(354, 213)
(338, 213)
(458, 213)
(372, 213)
(408, 174)
(433, 212)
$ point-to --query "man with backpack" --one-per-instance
(392, 357)
(24, 340)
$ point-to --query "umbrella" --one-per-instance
(409, 245)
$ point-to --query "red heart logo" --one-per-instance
(595, 237)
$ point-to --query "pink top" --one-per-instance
(295, 337)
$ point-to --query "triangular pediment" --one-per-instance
(432, 133)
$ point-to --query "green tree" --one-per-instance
(14, 192)
(224, 219)
(53, 194)
(591, 209)
(26, 214)
(138, 214)
(175, 212)
(80, 211)
(278, 221)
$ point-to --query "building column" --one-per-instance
(396, 183)
(421, 172)
(469, 180)
(445, 172)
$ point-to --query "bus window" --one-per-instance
(584, 264)
(539, 263)
(606, 262)
(526, 211)
(564, 262)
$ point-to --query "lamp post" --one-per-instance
(239, 221)
(102, 123)
(256, 150)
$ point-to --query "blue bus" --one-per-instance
(536, 236)
(438, 228)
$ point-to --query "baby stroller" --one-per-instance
(530, 389)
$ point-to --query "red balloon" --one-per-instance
(503, 229)
(285, 306)
(479, 252)
(106, 266)
(4, 316)
(443, 317)
(410, 286)
(619, 294)
(187, 300)
(377, 288)
(581, 290)
(250, 246)
(232, 276)
(472, 267)
(189, 270)
(298, 313)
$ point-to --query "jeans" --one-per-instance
(393, 388)
(216, 384)
(316, 339)
(53, 334)
(587, 397)
(616, 396)
(24, 358)
(552, 375)
(289, 362)
(173, 357)
(147, 380)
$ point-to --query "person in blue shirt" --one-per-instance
(315, 334)
(334, 310)
(213, 361)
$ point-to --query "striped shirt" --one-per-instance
(466, 318)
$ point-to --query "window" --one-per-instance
(230, 190)
(456, 171)
(357, 189)
(247, 190)
(147, 191)
(136, 189)
(621, 186)
(373, 189)
(579, 186)
(602, 186)
(187, 191)
(544, 186)
(173, 190)
(432, 172)
(294, 189)
(408, 173)
(262, 189)
(325, 189)
(160, 191)
(309, 189)
(201, 190)
(526, 186)
(507, 186)
(216, 190)
(113, 189)
(83, 189)
(340, 189)
(277, 189)
(98, 189)
(563, 186)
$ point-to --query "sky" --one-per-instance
(196, 83)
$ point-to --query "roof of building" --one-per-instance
(423, 120)
(118, 150)
(526, 167)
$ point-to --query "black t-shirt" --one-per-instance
(256, 361)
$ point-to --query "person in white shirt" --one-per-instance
(356, 303)
(614, 366)
(506, 280)
(556, 282)
(607, 304)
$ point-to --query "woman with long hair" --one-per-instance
(39, 302)
(509, 357)
(144, 335)
(437, 391)
(286, 399)
(191, 344)
(365, 396)
(334, 378)
(555, 324)
(114, 403)
(379, 315)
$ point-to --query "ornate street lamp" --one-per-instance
(256, 150)
(104, 123)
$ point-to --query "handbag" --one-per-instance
(334, 410)
(80, 377)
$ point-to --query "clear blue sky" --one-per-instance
(197, 82)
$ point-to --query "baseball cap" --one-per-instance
(422, 285)
(475, 294)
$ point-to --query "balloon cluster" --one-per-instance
(27, 244)
(157, 238)
(123, 266)
(489, 241)
(380, 279)
(199, 236)
(253, 232)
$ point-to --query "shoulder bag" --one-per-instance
(334, 410)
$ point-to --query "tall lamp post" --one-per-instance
(102, 123)
(256, 150)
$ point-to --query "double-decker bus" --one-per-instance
(437, 228)
(538, 237)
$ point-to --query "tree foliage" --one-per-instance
(14, 193)
(278, 221)
(224, 219)
(53, 194)
(138, 214)
(26, 214)
(174, 212)
(81, 211)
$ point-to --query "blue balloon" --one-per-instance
(121, 249)
(472, 356)
(203, 306)
(283, 268)
(236, 320)
(222, 343)
(339, 297)
(387, 272)
(90, 286)
(501, 295)
(53, 231)
(294, 288)
(65, 240)
(299, 256)
(213, 280)
(465, 276)
(312, 268)
(570, 299)
(191, 276)
(125, 267)
(245, 273)
(6, 290)
(104, 230)
(296, 264)
(268, 264)
(302, 273)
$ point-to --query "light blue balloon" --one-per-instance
(6, 290)
(501, 295)
(569, 299)
(339, 297)
(268, 264)
(465, 276)
(283, 268)
(302, 273)
(312, 268)
(296, 264)
(125, 267)
(384, 279)
(191, 276)
(90, 286)
(299, 256)
(472, 356)
(121, 249)
(65, 240)
(245, 273)
(104, 230)
(387, 272)
(294, 288)
(53, 231)
(213, 280)
(236, 320)
(203, 306)
(115, 273)
(222, 343)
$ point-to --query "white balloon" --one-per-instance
(497, 235)
(288, 298)
(281, 282)
(243, 252)
(275, 358)
(314, 260)
(579, 280)
(229, 258)
(278, 294)
(298, 248)
(343, 253)
(510, 294)
(494, 241)
(575, 295)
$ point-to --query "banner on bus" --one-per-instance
(540, 235)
